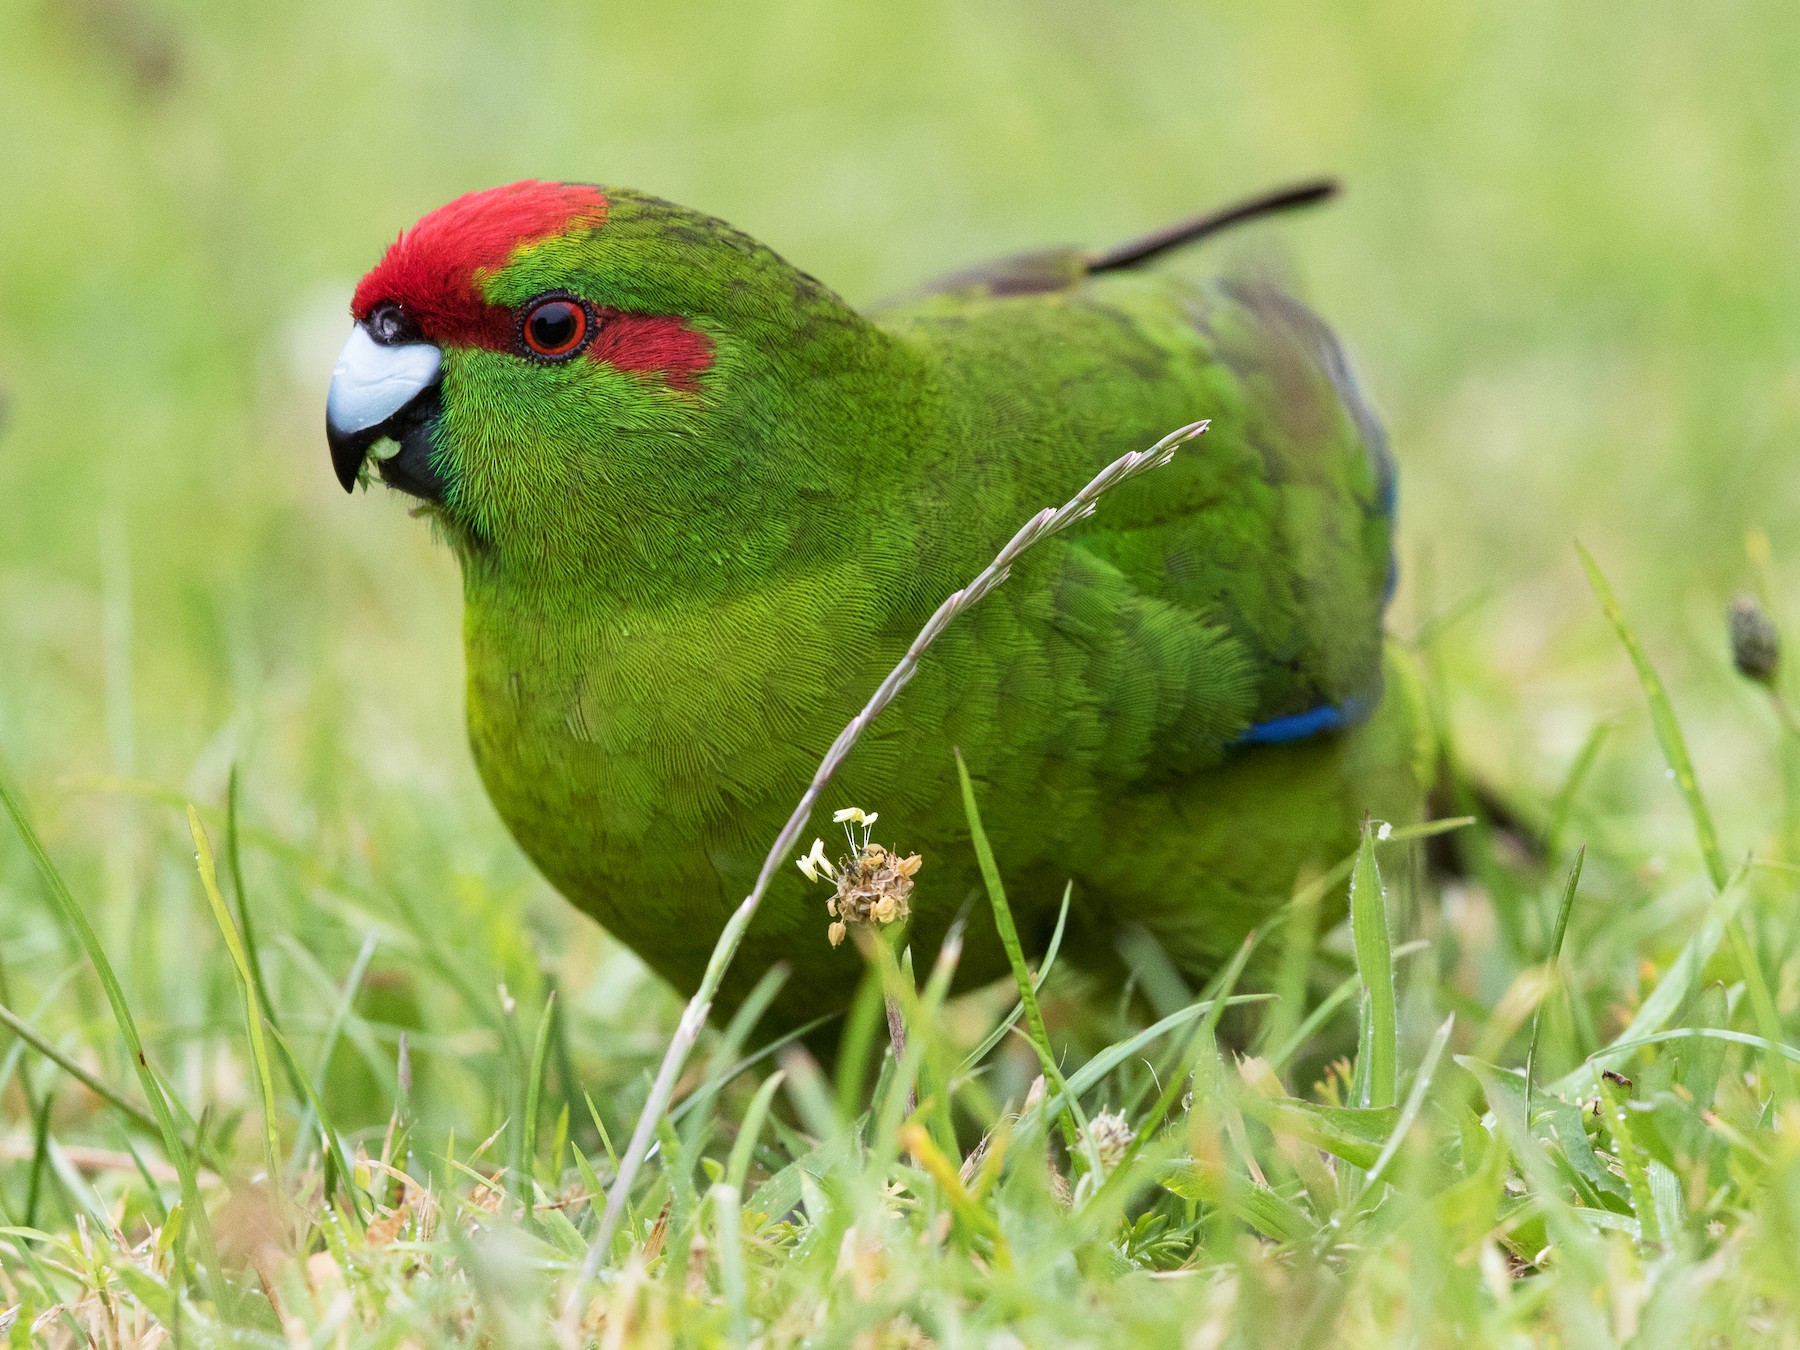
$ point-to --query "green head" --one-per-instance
(586, 382)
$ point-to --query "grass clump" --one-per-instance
(1390, 1166)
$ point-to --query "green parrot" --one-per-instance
(702, 505)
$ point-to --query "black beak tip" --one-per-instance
(348, 450)
(409, 467)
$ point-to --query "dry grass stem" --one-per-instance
(1040, 527)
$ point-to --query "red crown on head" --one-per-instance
(431, 269)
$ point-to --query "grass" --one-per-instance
(1557, 1107)
(1387, 1199)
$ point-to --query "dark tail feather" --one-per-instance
(1141, 250)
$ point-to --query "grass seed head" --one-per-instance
(1755, 641)
(1111, 1134)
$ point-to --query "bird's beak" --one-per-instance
(384, 391)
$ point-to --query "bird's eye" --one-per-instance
(555, 327)
(390, 325)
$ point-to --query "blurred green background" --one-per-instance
(1566, 263)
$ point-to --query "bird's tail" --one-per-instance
(1143, 249)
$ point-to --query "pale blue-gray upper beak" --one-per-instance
(371, 384)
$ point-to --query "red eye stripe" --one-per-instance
(662, 344)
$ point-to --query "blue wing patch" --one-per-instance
(1302, 726)
(1325, 348)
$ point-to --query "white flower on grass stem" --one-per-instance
(872, 884)
(815, 864)
(851, 817)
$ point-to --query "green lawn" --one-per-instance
(1568, 262)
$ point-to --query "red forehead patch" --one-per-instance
(430, 269)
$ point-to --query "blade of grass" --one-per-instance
(1564, 802)
(922, 1011)
(527, 1180)
(750, 1061)
(1672, 989)
(1179, 1064)
(924, 1007)
(856, 1046)
(1415, 1102)
(998, 1034)
(585, 1169)
(340, 1017)
(40, 1158)
(1762, 1043)
(728, 1232)
(1076, 1138)
(816, 1108)
(721, 1065)
(1762, 1003)
(949, 1182)
(606, 1142)
(1574, 1239)
(1203, 1035)
(1375, 966)
(259, 1051)
(234, 863)
(101, 1089)
(1259, 1207)
(76, 920)
(336, 1155)
(1631, 1161)
(152, 1192)
(1663, 720)
(743, 1148)
(1319, 1016)
(1551, 965)
(1297, 958)
(1090, 1074)
(894, 1097)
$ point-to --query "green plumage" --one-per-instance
(676, 597)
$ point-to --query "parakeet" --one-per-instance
(702, 505)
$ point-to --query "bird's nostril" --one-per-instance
(390, 325)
